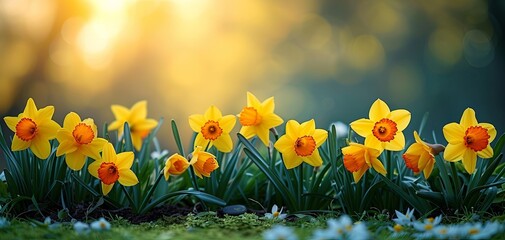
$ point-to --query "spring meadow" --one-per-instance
(171, 119)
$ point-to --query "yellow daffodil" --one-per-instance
(33, 129)
(175, 165)
(136, 117)
(300, 144)
(384, 128)
(258, 118)
(78, 139)
(213, 129)
(203, 163)
(420, 156)
(468, 139)
(112, 167)
(359, 158)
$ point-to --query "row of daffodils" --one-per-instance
(383, 130)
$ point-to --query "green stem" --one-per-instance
(151, 191)
(454, 174)
(300, 185)
(130, 200)
(193, 178)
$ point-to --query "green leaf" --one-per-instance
(128, 144)
(177, 138)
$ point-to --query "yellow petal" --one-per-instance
(145, 124)
(45, 113)
(109, 154)
(136, 141)
(468, 118)
(415, 149)
(469, 160)
(70, 121)
(248, 131)
(201, 141)
(213, 113)
(106, 188)
(125, 160)
(378, 111)
(93, 168)
(91, 122)
(227, 123)
(165, 171)
(314, 159)
(359, 174)
(428, 169)
(454, 133)
(401, 117)
(127, 178)
(424, 158)
(307, 128)
(30, 109)
(75, 160)
(196, 122)
(372, 142)
(378, 166)
(417, 138)
(291, 160)
(454, 152)
(486, 152)
(490, 130)
(18, 144)
(116, 125)
(320, 136)
(66, 147)
(263, 134)
(268, 106)
(284, 145)
(121, 114)
(94, 148)
(293, 129)
(138, 112)
(11, 122)
(397, 144)
(48, 129)
(363, 127)
(40, 147)
(223, 143)
(252, 101)
(271, 120)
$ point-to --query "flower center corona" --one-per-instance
(353, 163)
(476, 138)
(211, 130)
(304, 146)
(26, 129)
(209, 165)
(249, 117)
(108, 173)
(411, 161)
(385, 130)
(276, 214)
(83, 133)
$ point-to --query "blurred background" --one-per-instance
(327, 60)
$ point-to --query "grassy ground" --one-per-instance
(202, 226)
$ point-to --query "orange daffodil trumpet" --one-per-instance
(78, 140)
(301, 143)
(112, 167)
(33, 129)
(258, 118)
(213, 129)
(468, 139)
(359, 158)
(203, 163)
(383, 129)
(136, 117)
(175, 165)
(420, 156)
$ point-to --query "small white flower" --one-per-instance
(100, 225)
(276, 214)
(158, 155)
(81, 228)
(322, 234)
(279, 232)
(359, 231)
(341, 129)
(398, 230)
(428, 224)
(4, 222)
(47, 221)
(404, 219)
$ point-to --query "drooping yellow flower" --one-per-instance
(258, 118)
(420, 156)
(384, 128)
(175, 165)
(33, 129)
(204, 163)
(358, 158)
(112, 167)
(468, 139)
(301, 143)
(136, 117)
(213, 129)
(78, 140)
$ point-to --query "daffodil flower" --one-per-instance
(136, 117)
(113, 167)
(258, 118)
(384, 128)
(78, 140)
(359, 158)
(33, 129)
(203, 163)
(468, 139)
(213, 129)
(420, 156)
(175, 165)
(301, 143)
